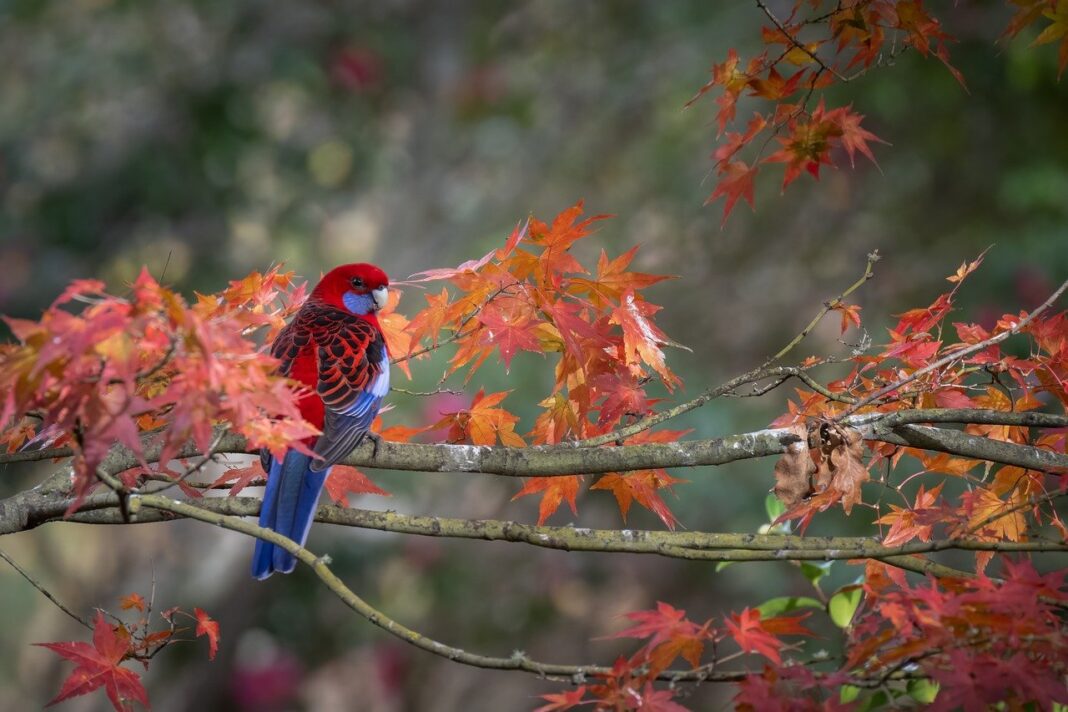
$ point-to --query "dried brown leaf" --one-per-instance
(793, 471)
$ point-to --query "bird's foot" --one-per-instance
(376, 440)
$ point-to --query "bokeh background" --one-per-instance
(205, 140)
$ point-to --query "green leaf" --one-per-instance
(843, 605)
(879, 699)
(848, 693)
(784, 604)
(774, 507)
(814, 571)
(724, 564)
(923, 691)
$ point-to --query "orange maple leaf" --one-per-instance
(555, 491)
(736, 181)
(483, 423)
(907, 524)
(640, 486)
(642, 339)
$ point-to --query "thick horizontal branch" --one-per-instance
(701, 546)
(976, 447)
(567, 459)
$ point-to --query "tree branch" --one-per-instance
(692, 545)
(566, 459)
(44, 591)
(320, 566)
(976, 447)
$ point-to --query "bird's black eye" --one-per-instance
(357, 282)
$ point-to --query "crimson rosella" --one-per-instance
(334, 346)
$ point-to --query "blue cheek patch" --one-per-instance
(358, 303)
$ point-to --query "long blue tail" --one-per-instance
(289, 505)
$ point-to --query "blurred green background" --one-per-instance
(208, 139)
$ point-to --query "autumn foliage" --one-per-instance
(817, 45)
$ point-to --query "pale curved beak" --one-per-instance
(381, 296)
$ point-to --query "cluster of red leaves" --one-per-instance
(99, 369)
(976, 640)
(100, 663)
(819, 44)
(981, 639)
(999, 505)
(669, 636)
(534, 295)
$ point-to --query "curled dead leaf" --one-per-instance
(848, 471)
(825, 458)
(794, 469)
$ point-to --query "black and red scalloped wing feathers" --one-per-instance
(340, 357)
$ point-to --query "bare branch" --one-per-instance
(976, 447)
(44, 591)
(320, 566)
(691, 545)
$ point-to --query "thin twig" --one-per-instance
(782, 28)
(873, 257)
(436, 391)
(40, 587)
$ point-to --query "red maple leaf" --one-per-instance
(736, 181)
(510, 326)
(907, 524)
(483, 423)
(209, 627)
(640, 486)
(560, 701)
(642, 339)
(345, 480)
(752, 637)
(854, 137)
(613, 279)
(652, 699)
(99, 665)
(241, 477)
(669, 635)
(850, 314)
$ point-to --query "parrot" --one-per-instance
(334, 346)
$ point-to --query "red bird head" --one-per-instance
(359, 288)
